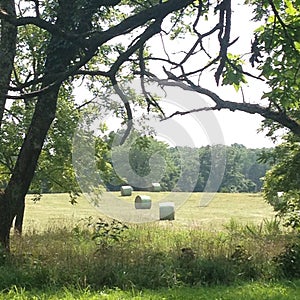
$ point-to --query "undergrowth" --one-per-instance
(100, 253)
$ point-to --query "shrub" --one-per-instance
(288, 262)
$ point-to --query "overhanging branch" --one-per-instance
(280, 117)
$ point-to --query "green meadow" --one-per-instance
(55, 209)
(231, 249)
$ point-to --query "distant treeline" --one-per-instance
(186, 168)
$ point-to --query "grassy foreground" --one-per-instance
(235, 249)
(249, 291)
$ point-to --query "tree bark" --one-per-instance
(8, 36)
(4, 223)
(18, 225)
(13, 200)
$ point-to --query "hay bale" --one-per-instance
(142, 202)
(126, 190)
(155, 187)
(167, 211)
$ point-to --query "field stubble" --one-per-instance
(54, 209)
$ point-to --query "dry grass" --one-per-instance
(53, 210)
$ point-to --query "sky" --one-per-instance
(230, 127)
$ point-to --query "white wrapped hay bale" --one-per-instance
(167, 211)
(126, 190)
(142, 202)
(155, 187)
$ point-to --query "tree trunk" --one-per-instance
(8, 35)
(12, 203)
(18, 226)
(13, 200)
(4, 223)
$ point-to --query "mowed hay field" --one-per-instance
(55, 210)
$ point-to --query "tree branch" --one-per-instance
(127, 106)
(37, 21)
(157, 12)
(150, 100)
(279, 117)
(225, 23)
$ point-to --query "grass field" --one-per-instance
(67, 253)
(55, 209)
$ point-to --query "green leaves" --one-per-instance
(284, 177)
(279, 41)
(297, 45)
(233, 72)
(290, 10)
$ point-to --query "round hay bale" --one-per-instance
(142, 202)
(155, 187)
(167, 211)
(126, 190)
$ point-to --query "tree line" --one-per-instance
(188, 169)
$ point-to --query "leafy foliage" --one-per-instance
(277, 43)
(281, 184)
(288, 262)
(105, 232)
(243, 173)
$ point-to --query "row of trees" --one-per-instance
(45, 45)
(186, 169)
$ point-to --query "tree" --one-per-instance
(234, 180)
(141, 161)
(282, 181)
(80, 41)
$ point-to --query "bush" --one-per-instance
(288, 262)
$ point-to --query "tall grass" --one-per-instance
(96, 254)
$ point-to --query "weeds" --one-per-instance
(100, 253)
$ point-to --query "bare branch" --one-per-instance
(183, 113)
(277, 116)
(150, 100)
(225, 23)
(127, 106)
